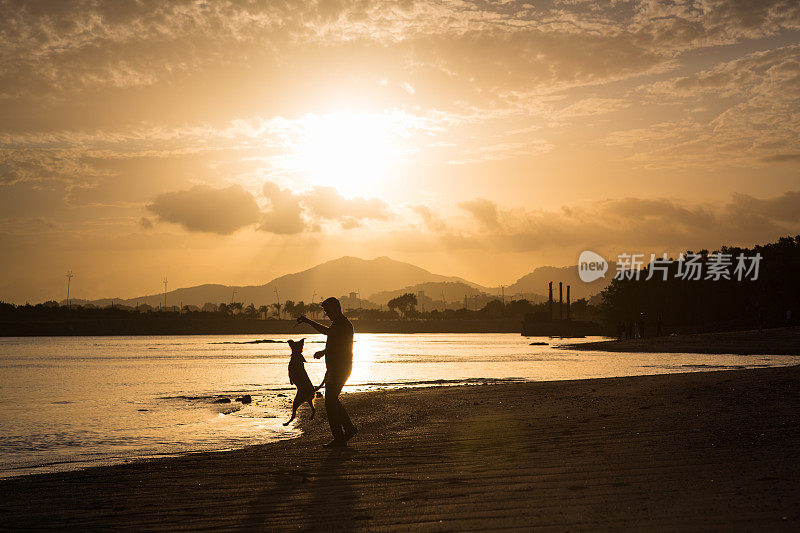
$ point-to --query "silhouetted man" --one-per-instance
(338, 354)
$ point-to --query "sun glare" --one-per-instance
(352, 152)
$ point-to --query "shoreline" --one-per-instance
(775, 341)
(177, 325)
(698, 450)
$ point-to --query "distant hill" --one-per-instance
(333, 278)
(381, 278)
(536, 282)
(453, 291)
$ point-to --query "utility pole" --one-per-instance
(278, 300)
(165, 294)
(70, 275)
(503, 294)
(233, 296)
(444, 303)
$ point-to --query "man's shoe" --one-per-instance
(336, 443)
(350, 433)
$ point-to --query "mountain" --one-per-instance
(537, 281)
(333, 278)
(380, 278)
(453, 291)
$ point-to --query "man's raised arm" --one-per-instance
(316, 325)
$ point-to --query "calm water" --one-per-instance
(70, 402)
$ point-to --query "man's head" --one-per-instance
(332, 307)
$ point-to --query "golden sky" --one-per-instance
(235, 141)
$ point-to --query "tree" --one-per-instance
(404, 304)
(495, 309)
(315, 310)
(277, 307)
(251, 311)
(288, 308)
(299, 309)
(263, 310)
(235, 307)
(208, 307)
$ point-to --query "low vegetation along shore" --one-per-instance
(715, 450)
(777, 341)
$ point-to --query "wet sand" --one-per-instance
(777, 341)
(715, 450)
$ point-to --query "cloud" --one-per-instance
(26, 225)
(432, 222)
(203, 208)
(223, 211)
(328, 203)
(756, 117)
(784, 208)
(782, 158)
(145, 223)
(652, 225)
(284, 216)
(483, 210)
(296, 212)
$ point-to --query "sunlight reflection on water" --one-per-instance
(68, 402)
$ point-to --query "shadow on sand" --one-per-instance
(313, 497)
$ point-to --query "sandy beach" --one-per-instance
(715, 450)
(776, 341)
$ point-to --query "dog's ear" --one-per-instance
(291, 343)
(301, 342)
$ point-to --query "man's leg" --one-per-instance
(334, 409)
(344, 418)
(348, 428)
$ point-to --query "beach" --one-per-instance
(710, 450)
(775, 341)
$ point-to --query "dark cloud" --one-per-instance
(203, 208)
(145, 223)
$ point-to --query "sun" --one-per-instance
(353, 152)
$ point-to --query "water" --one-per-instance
(71, 402)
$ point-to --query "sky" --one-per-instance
(236, 141)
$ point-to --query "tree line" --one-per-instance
(712, 302)
(402, 307)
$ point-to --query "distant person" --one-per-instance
(338, 354)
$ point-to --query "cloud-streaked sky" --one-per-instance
(236, 141)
